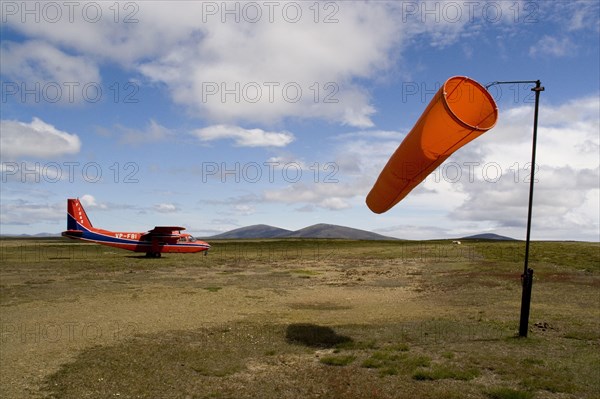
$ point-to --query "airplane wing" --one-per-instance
(168, 230)
(72, 233)
(166, 234)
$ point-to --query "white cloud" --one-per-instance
(37, 139)
(582, 15)
(166, 208)
(256, 76)
(331, 196)
(244, 209)
(23, 212)
(153, 132)
(39, 72)
(124, 34)
(561, 204)
(566, 179)
(272, 70)
(576, 23)
(552, 46)
(89, 201)
(334, 204)
(231, 72)
(244, 137)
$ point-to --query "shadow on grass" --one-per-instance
(142, 257)
(314, 336)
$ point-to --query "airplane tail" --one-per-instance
(77, 219)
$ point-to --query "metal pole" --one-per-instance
(527, 276)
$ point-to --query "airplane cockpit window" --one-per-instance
(182, 239)
(191, 239)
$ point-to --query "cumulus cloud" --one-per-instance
(273, 69)
(561, 203)
(567, 172)
(46, 73)
(296, 60)
(89, 201)
(281, 60)
(244, 137)
(122, 35)
(37, 139)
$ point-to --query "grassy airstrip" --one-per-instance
(298, 319)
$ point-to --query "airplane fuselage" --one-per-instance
(153, 243)
(134, 242)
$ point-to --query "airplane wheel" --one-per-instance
(149, 254)
(157, 254)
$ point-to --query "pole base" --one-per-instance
(525, 302)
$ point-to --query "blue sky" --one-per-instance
(216, 115)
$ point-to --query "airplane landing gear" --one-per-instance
(153, 254)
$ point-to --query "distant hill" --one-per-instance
(488, 236)
(254, 231)
(323, 230)
(316, 231)
(38, 235)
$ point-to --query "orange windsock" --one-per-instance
(461, 111)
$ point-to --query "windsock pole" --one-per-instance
(527, 276)
(527, 272)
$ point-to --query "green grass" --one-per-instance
(392, 362)
(337, 360)
(444, 372)
(452, 337)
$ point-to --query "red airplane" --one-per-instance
(154, 242)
